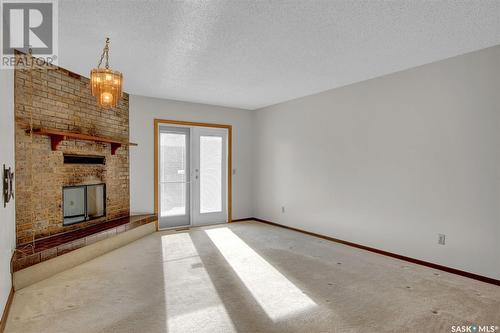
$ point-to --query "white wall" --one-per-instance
(143, 111)
(391, 162)
(7, 215)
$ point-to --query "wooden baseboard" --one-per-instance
(241, 220)
(6, 310)
(390, 254)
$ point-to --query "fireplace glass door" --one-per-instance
(83, 203)
(74, 204)
(95, 201)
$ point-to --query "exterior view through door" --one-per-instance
(192, 175)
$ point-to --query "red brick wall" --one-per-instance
(62, 101)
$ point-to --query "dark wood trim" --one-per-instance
(56, 137)
(6, 310)
(390, 254)
(244, 219)
(229, 128)
(191, 123)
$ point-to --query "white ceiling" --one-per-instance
(251, 54)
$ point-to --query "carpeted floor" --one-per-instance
(250, 277)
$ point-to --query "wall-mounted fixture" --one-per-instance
(106, 84)
(8, 185)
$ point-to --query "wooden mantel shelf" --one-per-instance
(56, 137)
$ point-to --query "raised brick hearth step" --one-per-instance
(50, 247)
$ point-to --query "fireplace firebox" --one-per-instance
(83, 203)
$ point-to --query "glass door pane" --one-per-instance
(174, 177)
(210, 174)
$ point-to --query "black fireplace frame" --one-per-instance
(85, 216)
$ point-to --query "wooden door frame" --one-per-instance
(229, 128)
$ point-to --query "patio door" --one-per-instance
(174, 177)
(210, 175)
(192, 176)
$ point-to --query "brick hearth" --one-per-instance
(53, 246)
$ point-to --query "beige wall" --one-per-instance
(143, 111)
(7, 214)
(392, 162)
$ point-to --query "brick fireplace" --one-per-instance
(62, 102)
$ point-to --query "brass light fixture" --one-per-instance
(106, 83)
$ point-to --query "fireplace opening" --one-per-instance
(83, 203)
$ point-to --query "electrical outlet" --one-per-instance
(282, 209)
(441, 239)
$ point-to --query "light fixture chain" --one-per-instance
(105, 52)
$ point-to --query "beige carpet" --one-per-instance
(250, 277)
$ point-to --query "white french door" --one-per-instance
(174, 177)
(192, 176)
(209, 175)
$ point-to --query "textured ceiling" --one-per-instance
(250, 54)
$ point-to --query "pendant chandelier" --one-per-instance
(106, 84)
